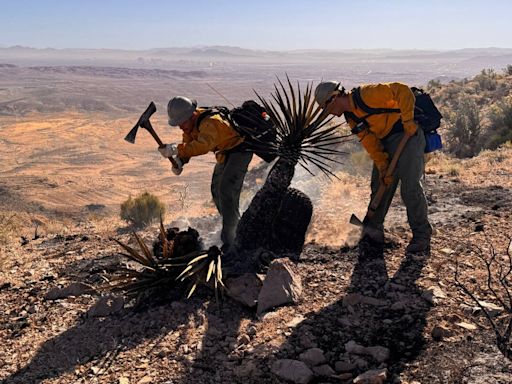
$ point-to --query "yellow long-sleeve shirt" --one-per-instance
(214, 134)
(386, 95)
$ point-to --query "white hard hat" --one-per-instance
(180, 109)
(325, 90)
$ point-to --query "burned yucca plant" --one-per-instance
(176, 266)
(278, 216)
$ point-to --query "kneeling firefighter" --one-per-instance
(205, 132)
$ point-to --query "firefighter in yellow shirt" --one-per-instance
(211, 133)
(380, 135)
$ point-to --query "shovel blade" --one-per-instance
(354, 220)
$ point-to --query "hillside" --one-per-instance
(65, 169)
(411, 306)
(477, 110)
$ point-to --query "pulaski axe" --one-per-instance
(146, 124)
(374, 204)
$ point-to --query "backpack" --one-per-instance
(426, 115)
(251, 122)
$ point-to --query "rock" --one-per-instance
(380, 354)
(361, 363)
(344, 366)
(398, 306)
(32, 309)
(244, 289)
(252, 331)
(492, 309)
(352, 299)
(354, 348)
(468, 326)
(74, 289)
(281, 286)
(4, 285)
(105, 306)
(439, 332)
(248, 368)
(292, 370)
(244, 339)
(437, 292)
(345, 376)
(146, 380)
(479, 227)
(429, 297)
(323, 371)
(307, 340)
(374, 376)
(313, 357)
(123, 380)
(447, 251)
(295, 321)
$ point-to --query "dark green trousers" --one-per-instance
(227, 181)
(408, 172)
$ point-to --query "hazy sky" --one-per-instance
(259, 24)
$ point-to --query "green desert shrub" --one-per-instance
(487, 80)
(464, 135)
(500, 118)
(142, 210)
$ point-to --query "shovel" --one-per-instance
(382, 187)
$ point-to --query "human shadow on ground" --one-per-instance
(98, 338)
(220, 358)
(377, 310)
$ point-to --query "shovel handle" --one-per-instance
(391, 169)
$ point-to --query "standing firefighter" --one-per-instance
(380, 133)
(205, 132)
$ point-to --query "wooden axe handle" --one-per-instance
(391, 169)
(149, 127)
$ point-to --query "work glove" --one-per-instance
(383, 170)
(168, 150)
(410, 127)
(177, 170)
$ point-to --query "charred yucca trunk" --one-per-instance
(255, 228)
(278, 216)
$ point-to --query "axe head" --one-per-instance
(143, 122)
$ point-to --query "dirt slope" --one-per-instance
(391, 301)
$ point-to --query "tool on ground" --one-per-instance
(146, 124)
(382, 188)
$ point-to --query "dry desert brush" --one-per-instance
(278, 216)
(497, 288)
(142, 210)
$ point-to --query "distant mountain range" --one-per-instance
(162, 56)
(121, 81)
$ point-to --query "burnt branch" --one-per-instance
(498, 272)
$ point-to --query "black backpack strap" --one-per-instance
(358, 101)
(360, 122)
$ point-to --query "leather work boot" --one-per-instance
(418, 245)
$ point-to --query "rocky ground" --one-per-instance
(391, 317)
